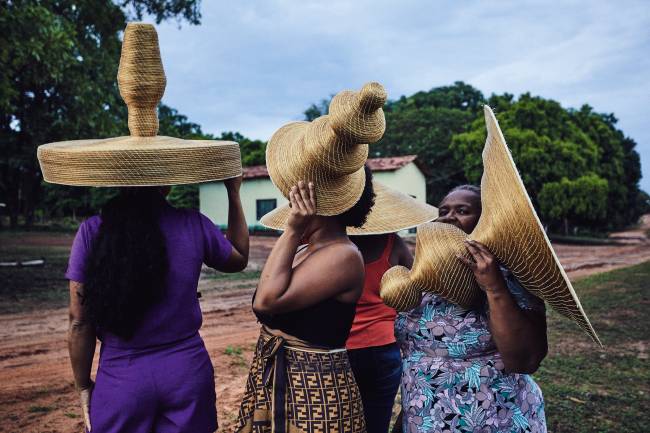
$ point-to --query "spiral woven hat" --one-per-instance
(393, 211)
(508, 226)
(331, 150)
(143, 158)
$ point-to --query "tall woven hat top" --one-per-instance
(331, 150)
(508, 226)
(143, 158)
(393, 211)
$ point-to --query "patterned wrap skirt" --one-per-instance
(294, 387)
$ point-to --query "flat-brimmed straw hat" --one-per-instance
(511, 230)
(331, 150)
(143, 158)
(393, 211)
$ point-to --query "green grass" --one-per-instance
(237, 356)
(233, 351)
(40, 409)
(222, 276)
(32, 287)
(588, 389)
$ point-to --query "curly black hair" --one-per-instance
(127, 266)
(356, 216)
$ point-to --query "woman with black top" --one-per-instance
(306, 302)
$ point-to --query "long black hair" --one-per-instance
(127, 265)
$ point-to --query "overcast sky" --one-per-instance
(251, 66)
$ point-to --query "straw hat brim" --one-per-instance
(139, 161)
(393, 211)
(510, 229)
(289, 159)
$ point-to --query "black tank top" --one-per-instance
(325, 324)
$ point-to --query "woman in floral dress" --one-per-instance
(467, 370)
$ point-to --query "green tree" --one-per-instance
(58, 63)
(549, 144)
(583, 200)
(253, 152)
(424, 124)
(317, 110)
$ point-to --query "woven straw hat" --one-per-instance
(508, 226)
(393, 211)
(331, 150)
(143, 158)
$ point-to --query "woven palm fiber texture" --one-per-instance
(143, 158)
(393, 211)
(508, 226)
(331, 150)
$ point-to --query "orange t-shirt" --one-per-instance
(374, 321)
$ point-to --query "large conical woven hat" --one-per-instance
(143, 158)
(508, 226)
(331, 150)
(393, 211)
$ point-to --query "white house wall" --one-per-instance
(408, 179)
(214, 199)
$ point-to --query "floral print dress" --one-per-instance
(453, 379)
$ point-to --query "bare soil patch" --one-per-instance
(36, 388)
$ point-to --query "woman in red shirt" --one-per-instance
(372, 350)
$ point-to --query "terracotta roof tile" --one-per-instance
(391, 163)
(375, 164)
(255, 171)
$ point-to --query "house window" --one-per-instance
(265, 206)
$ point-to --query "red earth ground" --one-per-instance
(36, 388)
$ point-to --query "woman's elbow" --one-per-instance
(527, 363)
(78, 324)
(236, 263)
(264, 306)
(77, 320)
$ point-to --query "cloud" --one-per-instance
(252, 66)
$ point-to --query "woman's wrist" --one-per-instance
(496, 290)
(233, 195)
(293, 234)
(84, 385)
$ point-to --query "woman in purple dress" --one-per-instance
(133, 275)
(467, 370)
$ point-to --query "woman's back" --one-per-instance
(191, 239)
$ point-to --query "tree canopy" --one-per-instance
(563, 151)
(559, 152)
(58, 63)
(58, 67)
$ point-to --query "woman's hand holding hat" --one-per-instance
(484, 266)
(302, 200)
(233, 184)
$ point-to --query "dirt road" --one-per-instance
(36, 388)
